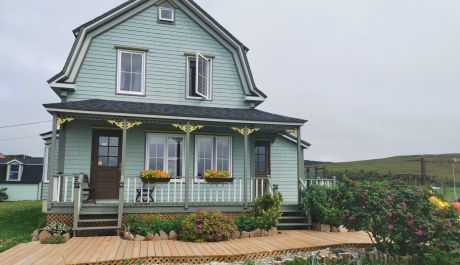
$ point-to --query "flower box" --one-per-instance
(154, 176)
(217, 176)
(219, 180)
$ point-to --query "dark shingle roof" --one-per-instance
(24, 160)
(126, 107)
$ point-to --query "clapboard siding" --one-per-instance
(165, 62)
(284, 168)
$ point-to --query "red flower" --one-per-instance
(403, 205)
(390, 227)
(419, 233)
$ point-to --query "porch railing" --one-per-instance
(321, 181)
(200, 191)
(63, 190)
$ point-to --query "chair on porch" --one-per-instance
(145, 193)
(87, 191)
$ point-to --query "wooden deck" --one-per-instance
(113, 250)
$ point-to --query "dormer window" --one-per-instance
(199, 77)
(14, 172)
(131, 72)
(166, 14)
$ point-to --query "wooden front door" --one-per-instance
(105, 164)
(262, 166)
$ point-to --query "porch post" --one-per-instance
(51, 157)
(187, 160)
(246, 166)
(61, 152)
(300, 163)
(121, 188)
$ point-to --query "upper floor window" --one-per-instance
(131, 72)
(199, 77)
(166, 14)
(14, 172)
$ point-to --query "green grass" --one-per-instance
(17, 221)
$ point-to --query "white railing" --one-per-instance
(63, 188)
(199, 191)
(321, 182)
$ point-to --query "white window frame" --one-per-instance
(160, 18)
(8, 171)
(187, 77)
(119, 90)
(214, 153)
(165, 152)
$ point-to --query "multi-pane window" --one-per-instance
(199, 77)
(212, 152)
(166, 14)
(14, 172)
(108, 151)
(166, 152)
(131, 72)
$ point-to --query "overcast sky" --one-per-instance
(374, 78)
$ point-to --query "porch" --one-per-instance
(98, 157)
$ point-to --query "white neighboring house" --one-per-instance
(22, 176)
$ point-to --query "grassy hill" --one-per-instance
(396, 165)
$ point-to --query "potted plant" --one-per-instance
(154, 176)
(211, 175)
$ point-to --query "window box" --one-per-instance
(155, 176)
(219, 180)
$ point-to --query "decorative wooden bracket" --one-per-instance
(129, 124)
(293, 132)
(60, 121)
(245, 131)
(183, 127)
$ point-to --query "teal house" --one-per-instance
(161, 85)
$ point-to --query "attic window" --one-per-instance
(166, 14)
(14, 172)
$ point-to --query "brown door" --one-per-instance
(105, 164)
(262, 166)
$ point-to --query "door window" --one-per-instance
(108, 151)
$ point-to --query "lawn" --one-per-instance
(17, 221)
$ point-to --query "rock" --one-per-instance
(156, 237)
(256, 233)
(163, 235)
(342, 229)
(236, 235)
(43, 235)
(346, 256)
(139, 238)
(325, 228)
(128, 236)
(273, 231)
(244, 234)
(334, 229)
(149, 237)
(172, 235)
(35, 234)
(264, 233)
(317, 226)
(56, 235)
(66, 236)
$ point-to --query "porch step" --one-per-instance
(293, 226)
(95, 228)
(97, 220)
(95, 212)
(292, 217)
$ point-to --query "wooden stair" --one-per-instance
(293, 218)
(97, 219)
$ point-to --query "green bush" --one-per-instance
(155, 223)
(205, 226)
(57, 228)
(436, 257)
(3, 195)
(319, 202)
(135, 225)
(245, 222)
(267, 210)
(53, 240)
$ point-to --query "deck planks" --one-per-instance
(109, 250)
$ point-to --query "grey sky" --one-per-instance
(374, 78)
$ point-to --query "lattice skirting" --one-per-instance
(68, 218)
(225, 258)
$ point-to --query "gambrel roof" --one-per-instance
(65, 80)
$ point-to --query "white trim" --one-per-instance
(170, 117)
(14, 161)
(252, 98)
(165, 152)
(187, 78)
(63, 85)
(294, 141)
(45, 164)
(173, 12)
(214, 152)
(8, 171)
(119, 91)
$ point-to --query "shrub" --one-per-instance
(245, 222)
(319, 202)
(155, 223)
(207, 227)
(53, 240)
(135, 225)
(56, 228)
(3, 195)
(436, 257)
(267, 210)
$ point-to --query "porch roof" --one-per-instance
(168, 111)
